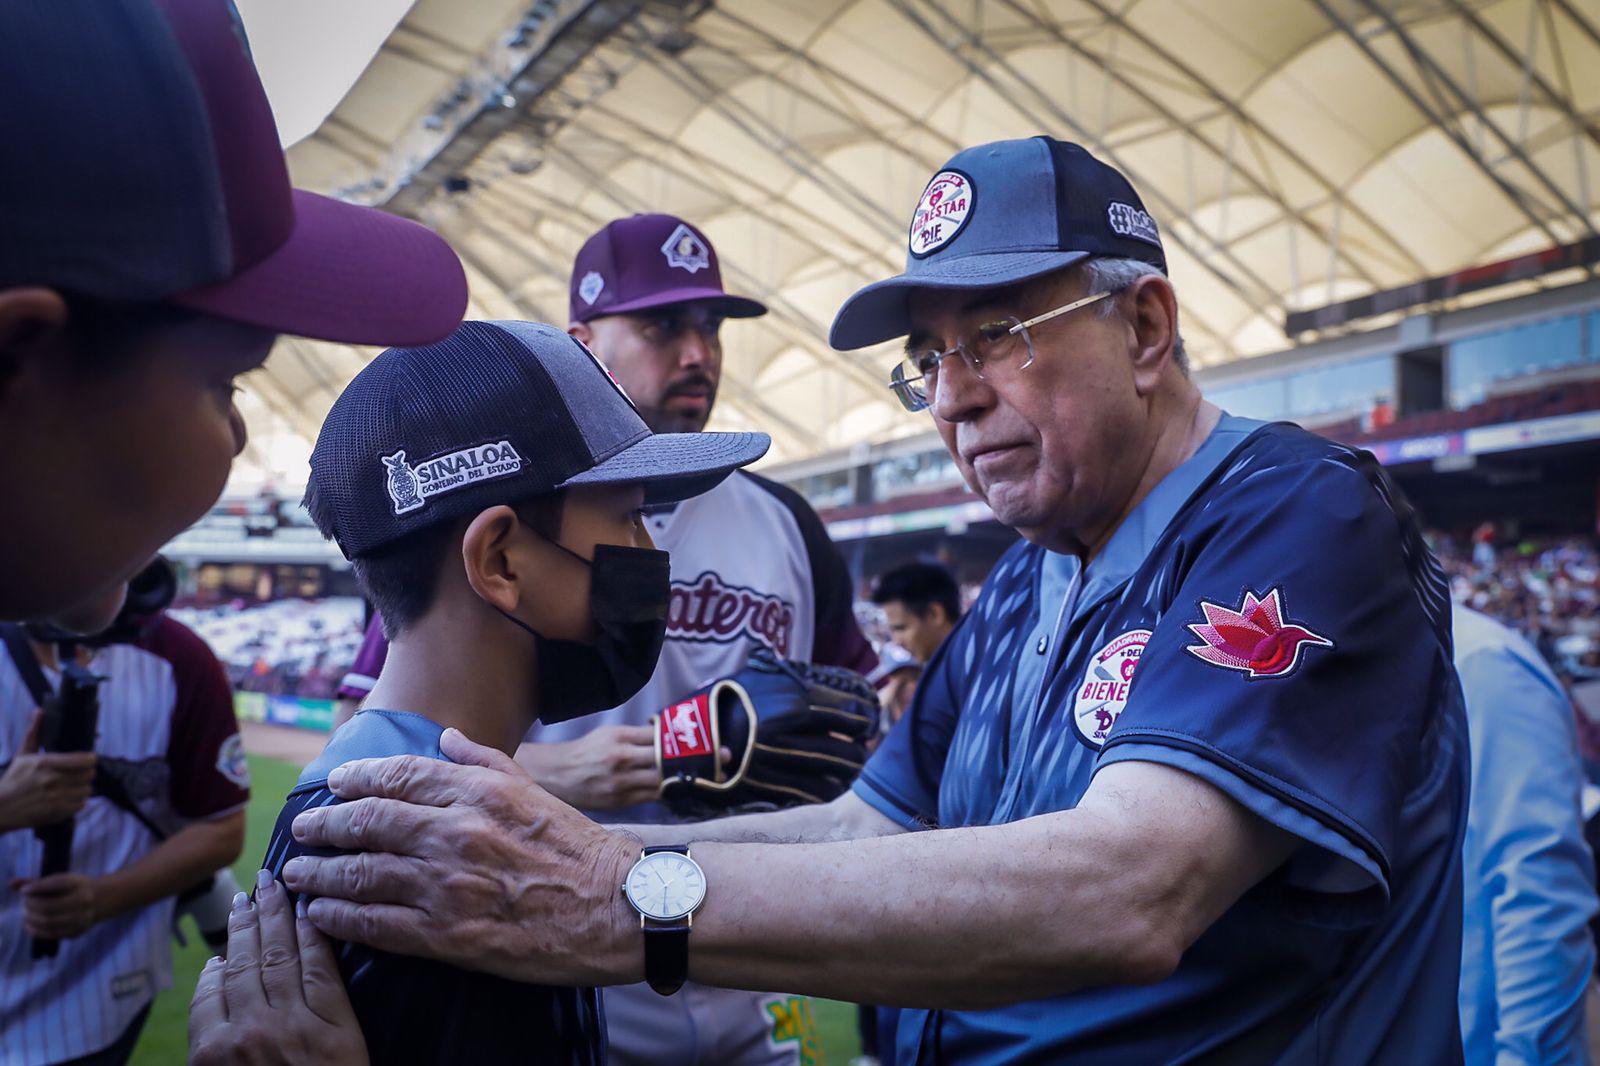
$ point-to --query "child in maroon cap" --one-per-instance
(151, 249)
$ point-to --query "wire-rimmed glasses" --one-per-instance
(994, 346)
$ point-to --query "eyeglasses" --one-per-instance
(993, 348)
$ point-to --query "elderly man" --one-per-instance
(1188, 781)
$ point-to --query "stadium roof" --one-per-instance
(1295, 152)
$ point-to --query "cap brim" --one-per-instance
(880, 311)
(730, 306)
(676, 466)
(347, 273)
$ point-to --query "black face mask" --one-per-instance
(629, 592)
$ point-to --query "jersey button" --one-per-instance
(1044, 642)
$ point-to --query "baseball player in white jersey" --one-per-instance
(752, 567)
(167, 808)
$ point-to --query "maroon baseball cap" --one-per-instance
(142, 162)
(649, 261)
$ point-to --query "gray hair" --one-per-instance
(1107, 274)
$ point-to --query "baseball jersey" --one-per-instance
(1526, 954)
(752, 566)
(167, 732)
(1269, 620)
(415, 1010)
(363, 673)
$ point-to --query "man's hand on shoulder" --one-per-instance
(471, 863)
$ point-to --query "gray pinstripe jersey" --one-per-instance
(82, 999)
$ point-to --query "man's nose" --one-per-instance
(960, 395)
(694, 349)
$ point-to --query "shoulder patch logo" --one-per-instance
(1103, 694)
(1253, 638)
(410, 486)
(231, 762)
(591, 286)
(685, 250)
(942, 212)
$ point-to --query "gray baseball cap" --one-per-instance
(495, 412)
(999, 214)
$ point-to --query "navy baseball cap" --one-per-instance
(646, 261)
(999, 214)
(494, 413)
(141, 162)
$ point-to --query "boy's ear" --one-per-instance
(30, 318)
(582, 332)
(491, 553)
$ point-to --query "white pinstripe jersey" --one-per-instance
(167, 730)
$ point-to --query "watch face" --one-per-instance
(666, 885)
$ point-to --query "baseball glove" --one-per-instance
(795, 733)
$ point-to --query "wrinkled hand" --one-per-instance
(58, 906)
(43, 788)
(278, 998)
(471, 863)
(611, 767)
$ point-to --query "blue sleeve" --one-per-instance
(1529, 874)
(1296, 669)
(901, 779)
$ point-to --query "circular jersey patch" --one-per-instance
(941, 213)
(1104, 691)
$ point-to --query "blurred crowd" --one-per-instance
(290, 647)
(1547, 589)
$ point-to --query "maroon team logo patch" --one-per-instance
(686, 728)
(1253, 637)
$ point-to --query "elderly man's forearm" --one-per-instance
(966, 918)
(845, 818)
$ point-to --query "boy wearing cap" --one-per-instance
(752, 567)
(151, 249)
(488, 491)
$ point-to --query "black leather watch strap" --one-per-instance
(666, 944)
(666, 956)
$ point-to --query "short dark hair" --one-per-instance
(401, 578)
(919, 586)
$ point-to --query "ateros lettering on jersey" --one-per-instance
(1103, 693)
(707, 609)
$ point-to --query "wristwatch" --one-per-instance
(665, 886)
